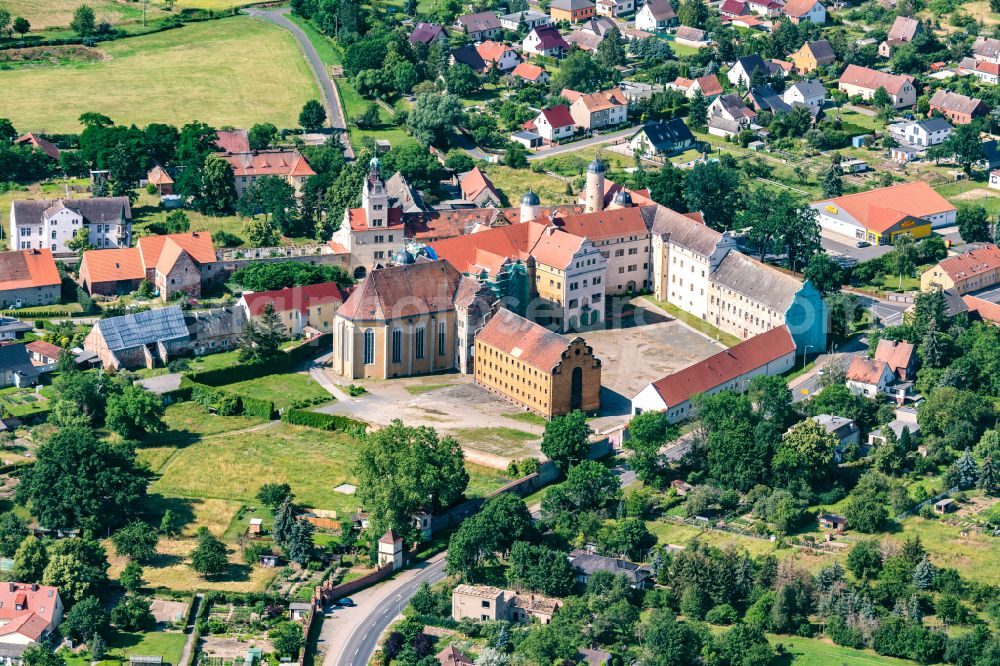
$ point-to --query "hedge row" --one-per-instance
(247, 371)
(320, 421)
(256, 407)
(229, 404)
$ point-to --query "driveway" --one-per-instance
(577, 145)
(331, 99)
(350, 635)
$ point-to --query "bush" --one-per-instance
(333, 422)
(256, 407)
(722, 614)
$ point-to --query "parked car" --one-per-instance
(862, 244)
(346, 601)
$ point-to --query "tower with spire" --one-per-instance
(374, 197)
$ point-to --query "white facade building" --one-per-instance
(51, 223)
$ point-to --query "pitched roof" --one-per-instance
(270, 163)
(491, 51)
(898, 355)
(725, 366)
(159, 176)
(734, 8)
(558, 116)
(986, 310)
(822, 51)
(734, 105)
(390, 537)
(479, 21)
(986, 47)
(141, 328)
(474, 183)
(765, 99)
(14, 358)
(527, 71)
(871, 79)
(809, 89)
(468, 56)
(403, 291)
(666, 135)
(45, 349)
(356, 218)
(23, 269)
(709, 85)
(684, 231)
(601, 100)
(979, 260)
(525, 340)
(112, 265)
(590, 563)
(490, 249)
(402, 195)
(196, 243)
(232, 141)
(690, 34)
(98, 210)
(585, 40)
(549, 37)
(452, 656)
(757, 281)
(42, 144)
(881, 208)
(602, 224)
(661, 10)
(953, 101)
(799, 8)
(425, 33)
(903, 29)
(294, 298)
(865, 370)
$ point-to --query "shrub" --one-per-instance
(722, 614)
(319, 421)
(256, 407)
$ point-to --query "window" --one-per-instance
(633, 250)
(53, 234)
(419, 342)
(380, 239)
(369, 347)
(397, 345)
(619, 253)
(486, 603)
(442, 346)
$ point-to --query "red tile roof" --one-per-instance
(602, 100)
(973, 262)
(159, 176)
(41, 144)
(725, 366)
(294, 298)
(27, 611)
(133, 262)
(196, 243)
(232, 141)
(474, 183)
(488, 250)
(491, 51)
(46, 349)
(871, 79)
(799, 8)
(558, 115)
(709, 85)
(883, 207)
(406, 290)
(358, 221)
(527, 71)
(525, 340)
(608, 223)
(898, 355)
(986, 310)
(24, 269)
(271, 163)
(865, 370)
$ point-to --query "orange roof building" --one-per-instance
(862, 81)
(478, 188)
(531, 73)
(161, 180)
(878, 216)
(171, 263)
(299, 308)
(289, 165)
(771, 353)
(28, 278)
(28, 615)
(978, 268)
(39, 143)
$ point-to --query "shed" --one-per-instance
(756, 146)
(858, 141)
(256, 526)
(947, 505)
(831, 521)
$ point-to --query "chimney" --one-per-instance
(34, 587)
(13, 587)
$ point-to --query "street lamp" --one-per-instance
(804, 352)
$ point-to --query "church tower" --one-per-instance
(374, 198)
(595, 187)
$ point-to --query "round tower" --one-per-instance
(595, 187)
(622, 199)
(530, 207)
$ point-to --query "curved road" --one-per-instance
(331, 99)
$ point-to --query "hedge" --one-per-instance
(257, 407)
(320, 421)
(248, 371)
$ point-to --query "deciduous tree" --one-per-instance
(313, 116)
(566, 440)
(209, 557)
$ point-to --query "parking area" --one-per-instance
(844, 247)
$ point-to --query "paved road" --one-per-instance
(351, 634)
(577, 145)
(331, 99)
(188, 650)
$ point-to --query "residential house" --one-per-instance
(869, 377)
(28, 278)
(901, 357)
(12, 328)
(763, 98)
(813, 55)
(172, 263)
(655, 16)
(535, 368)
(810, 93)
(768, 8)
(288, 165)
(44, 353)
(904, 417)
(844, 430)
(731, 107)
(572, 11)
(986, 71)
(498, 55)
(584, 40)
(693, 37)
(412, 318)
(479, 26)
(731, 9)
(479, 602)
(427, 33)
(531, 73)
(724, 127)
(864, 82)
(468, 56)
(16, 369)
(605, 108)
(771, 353)
(741, 74)
(299, 308)
(708, 85)
(878, 216)
(799, 11)
(528, 18)
(477, 188)
(916, 136)
(959, 109)
(37, 224)
(554, 123)
(545, 40)
(586, 564)
(614, 8)
(38, 143)
(159, 178)
(662, 138)
(903, 30)
(969, 271)
(452, 656)
(986, 49)
(29, 616)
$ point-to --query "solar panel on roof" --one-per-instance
(142, 328)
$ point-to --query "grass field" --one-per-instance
(58, 13)
(234, 71)
(975, 556)
(513, 183)
(283, 390)
(147, 211)
(122, 645)
(819, 652)
(501, 441)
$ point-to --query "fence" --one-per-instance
(916, 509)
(327, 593)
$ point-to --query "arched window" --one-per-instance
(419, 342)
(369, 347)
(397, 345)
(442, 340)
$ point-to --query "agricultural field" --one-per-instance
(198, 72)
(821, 652)
(44, 14)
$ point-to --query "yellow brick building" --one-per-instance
(536, 368)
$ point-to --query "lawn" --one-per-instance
(355, 105)
(187, 420)
(147, 212)
(527, 417)
(484, 480)
(513, 183)
(234, 71)
(500, 441)
(859, 119)
(819, 652)
(122, 645)
(975, 556)
(575, 163)
(282, 389)
(418, 389)
(696, 323)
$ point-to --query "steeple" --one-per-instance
(374, 198)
